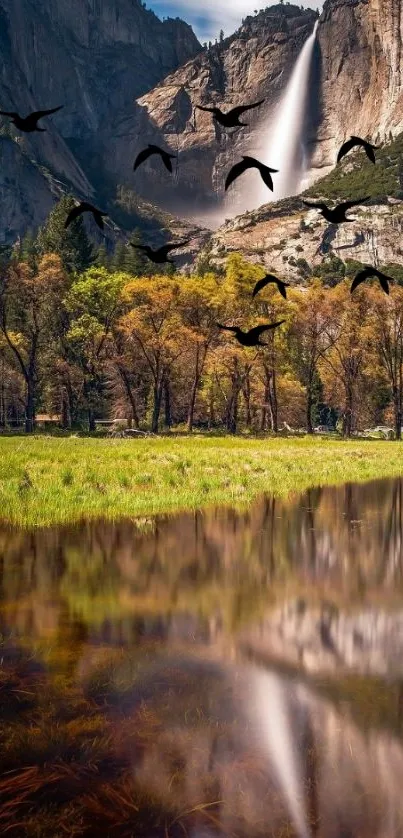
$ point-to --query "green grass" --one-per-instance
(46, 481)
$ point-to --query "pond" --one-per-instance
(216, 673)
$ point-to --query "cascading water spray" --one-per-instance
(284, 148)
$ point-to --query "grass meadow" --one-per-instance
(50, 480)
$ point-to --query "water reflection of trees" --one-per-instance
(212, 562)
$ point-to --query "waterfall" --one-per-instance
(282, 146)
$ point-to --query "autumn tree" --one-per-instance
(155, 327)
(343, 363)
(309, 338)
(72, 245)
(29, 303)
(387, 316)
(94, 303)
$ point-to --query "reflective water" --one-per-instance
(213, 673)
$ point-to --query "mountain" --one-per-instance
(94, 58)
(253, 64)
(288, 238)
(125, 78)
(360, 74)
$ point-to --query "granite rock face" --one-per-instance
(361, 74)
(355, 88)
(253, 64)
(94, 58)
(282, 236)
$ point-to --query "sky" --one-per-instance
(207, 17)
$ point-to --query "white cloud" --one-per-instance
(207, 17)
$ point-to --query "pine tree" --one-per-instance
(27, 249)
(72, 245)
(136, 263)
(118, 261)
(102, 258)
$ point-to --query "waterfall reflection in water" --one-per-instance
(195, 732)
(220, 748)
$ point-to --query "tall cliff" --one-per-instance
(125, 78)
(361, 74)
(255, 63)
(356, 86)
(94, 57)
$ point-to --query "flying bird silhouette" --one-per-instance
(29, 123)
(250, 163)
(357, 141)
(166, 157)
(261, 283)
(161, 254)
(230, 119)
(366, 273)
(338, 214)
(83, 206)
(251, 338)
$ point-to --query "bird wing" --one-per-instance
(361, 277)
(140, 246)
(166, 248)
(358, 141)
(166, 159)
(227, 328)
(346, 147)
(73, 214)
(266, 176)
(142, 156)
(9, 113)
(38, 114)
(348, 204)
(261, 283)
(236, 112)
(209, 110)
(98, 218)
(236, 171)
(258, 330)
(384, 282)
(315, 206)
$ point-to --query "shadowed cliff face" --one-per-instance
(95, 59)
(126, 78)
(355, 88)
(362, 73)
(255, 63)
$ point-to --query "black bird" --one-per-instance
(338, 214)
(230, 119)
(366, 273)
(83, 206)
(154, 149)
(357, 141)
(160, 255)
(261, 283)
(250, 163)
(29, 123)
(251, 338)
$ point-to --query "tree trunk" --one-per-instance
(272, 399)
(246, 395)
(66, 417)
(193, 394)
(125, 378)
(30, 406)
(158, 388)
(167, 403)
(309, 403)
(348, 414)
(398, 413)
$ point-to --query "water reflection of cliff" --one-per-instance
(218, 567)
(246, 752)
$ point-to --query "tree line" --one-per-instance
(86, 342)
